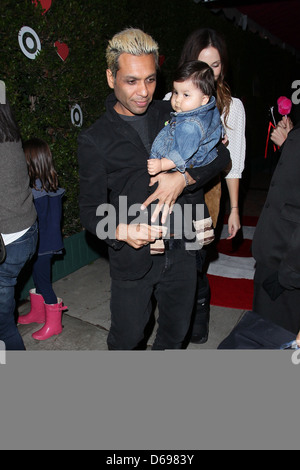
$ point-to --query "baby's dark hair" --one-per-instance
(201, 75)
(40, 164)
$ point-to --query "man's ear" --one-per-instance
(110, 79)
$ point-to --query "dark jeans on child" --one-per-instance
(18, 253)
(42, 277)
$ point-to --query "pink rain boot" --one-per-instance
(37, 313)
(53, 324)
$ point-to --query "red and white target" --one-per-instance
(231, 276)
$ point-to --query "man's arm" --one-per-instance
(92, 181)
(171, 185)
(93, 187)
(204, 175)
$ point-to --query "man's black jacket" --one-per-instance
(112, 160)
(276, 242)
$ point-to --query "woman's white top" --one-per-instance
(236, 133)
(13, 237)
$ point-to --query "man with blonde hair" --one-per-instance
(113, 156)
(130, 41)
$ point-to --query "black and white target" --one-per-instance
(29, 42)
(77, 116)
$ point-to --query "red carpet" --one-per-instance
(231, 275)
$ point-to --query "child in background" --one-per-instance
(45, 306)
(190, 139)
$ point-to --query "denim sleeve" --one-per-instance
(176, 158)
(187, 139)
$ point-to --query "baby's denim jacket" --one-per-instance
(190, 138)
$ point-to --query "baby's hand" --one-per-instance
(154, 166)
(225, 140)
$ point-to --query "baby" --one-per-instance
(190, 138)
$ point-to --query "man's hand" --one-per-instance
(280, 134)
(286, 123)
(139, 235)
(170, 186)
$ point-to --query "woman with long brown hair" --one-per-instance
(209, 46)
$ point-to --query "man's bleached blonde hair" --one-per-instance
(130, 41)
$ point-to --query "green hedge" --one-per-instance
(85, 26)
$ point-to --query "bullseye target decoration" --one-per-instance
(30, 45)
(29, 42)
(77, 116)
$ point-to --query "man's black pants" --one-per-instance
(172, 279)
